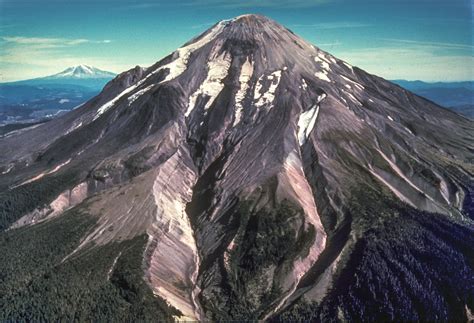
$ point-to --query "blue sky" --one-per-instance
(430, 40)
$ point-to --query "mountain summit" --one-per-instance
(82, 71)
(247, 175)
(32, 100)
(80, 75)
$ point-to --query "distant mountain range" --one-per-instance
(458, 96)
(80, 75)
(82, 72)
(33, 100)
(46, 97)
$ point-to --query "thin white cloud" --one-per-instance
(234, 4)
(50, 42)
(442, 45)
(204, 25)
(6, 26)
(414, 59)
(332, 25)
(25, 57)
(412, 62)
(329, 45)
(143, 5)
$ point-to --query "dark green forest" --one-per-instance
(99, 284)
(407, 266)
(18, 201)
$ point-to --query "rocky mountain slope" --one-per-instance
(264, 179)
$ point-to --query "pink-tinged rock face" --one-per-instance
(172, 251)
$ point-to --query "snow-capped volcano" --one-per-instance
(81, 75)
(264, 178)
(81, 72)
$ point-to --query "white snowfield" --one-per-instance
(245, 75)
(136, 95)
(322, 60)
(112, 102)
(357, 84)
(267, 97)
(307, 120)
(9, 168)
(217, 70)
(179, 65)
(304, 85)
(75, 126)
(349, 66)
(175, 68)
(352, 98)
(76, 71)
(323, 75)
(82, 71)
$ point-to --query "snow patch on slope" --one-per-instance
(267, 97)
(175, 68)
(323, 75)
(179, 65)
(307, 120)
(348, 66)
(357, 84)
(244, 78)
(19, 131)
(352, 98)
(136, 95)
(9, 168)
(304, 85)
(306, 123)
(75, 126)
(112, 102)
(212, 85)
(322, 60)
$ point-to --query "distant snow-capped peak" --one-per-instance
(83, 71)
